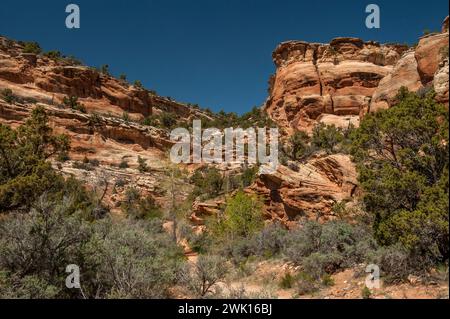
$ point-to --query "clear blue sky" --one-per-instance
(216, 53)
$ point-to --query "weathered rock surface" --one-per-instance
(350, 77)
(337, 79)
(308, 192)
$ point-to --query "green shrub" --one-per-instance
(105, 69)
(327, 280)
(306, 284)
(54, 55)
(287, 281)
(32, 47)
(168, 120)
(300, 148)
(242, 217)
(201, 277)
(123, 164)
(402, 157)
(366, 293)
(208, 182)
(326, 248)
(8, 96)
(72, 102)
(142, 165)
(327, 137)
(126, 117)
(138, 84)
(24, 171)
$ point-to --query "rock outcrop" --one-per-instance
(349, 77)
(310, 191)
(337, 84)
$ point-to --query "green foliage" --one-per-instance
(123, 164)
(249, 175)
(327, 280)
(123, 77)
(255, 118)
(366, 293)
(151, 120)
(72, 102)
(24, 171)
(242, 217)
(105, 69)
(327, 137)
(207, 182)
(54, 55)
(322, 249)
(138, 84)
(8, 96)
(287, 281)
(168, 120)
(120, 259)
(306, 284)
(139, 207)
(300, 148)
(126, 117)
(142, 165)
(202, 276)
(32, 47)
(402, 157)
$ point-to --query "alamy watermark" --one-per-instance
(373, 19)
(73, 19)
(231, 145)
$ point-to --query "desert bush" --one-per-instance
(8, 96)
(25, 173)
(207, 182)
(120, 259)
(402, 157)
(39, 245)
(105, 69)
(287, 281)
(54, 55)
(72, 102)
(305, 284)
(327, 137)
(123, 164)
(168, 120)
(140, 207)
(242, 217)
(299, 146)
(32, 47)
(126, 117)
(201, 277)
(138, 84)
(142, 165)
(135, 259)
(326, 248)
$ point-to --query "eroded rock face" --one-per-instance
(308, 192)
(350, 77)
(429, 54)
(338, 79)
(440, 82)
(404, 74)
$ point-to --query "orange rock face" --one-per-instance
(309, 191)
(349, 77)
(315, 79)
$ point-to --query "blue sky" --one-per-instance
(216, 53)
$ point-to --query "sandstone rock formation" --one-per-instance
(315, 79)
(349, 77)
(337, 84)
(309, 191)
